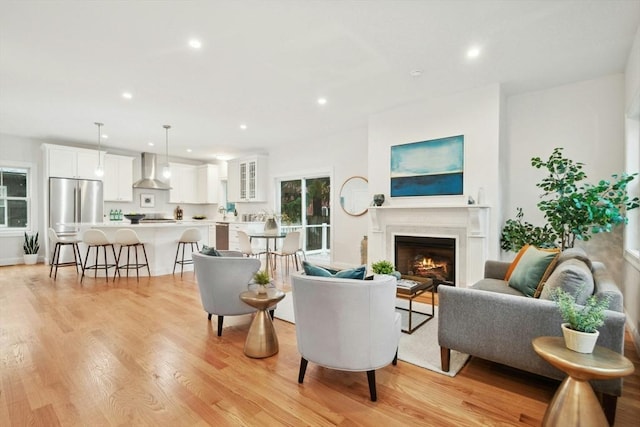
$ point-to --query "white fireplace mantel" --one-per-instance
(468, 224)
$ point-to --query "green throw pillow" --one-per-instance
(206, 250)
(532, 270)
(352, 273)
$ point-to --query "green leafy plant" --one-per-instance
(262, 278)
(383, 267)
(573, 210)
(30, 245)
(517, 233)
(587, 318)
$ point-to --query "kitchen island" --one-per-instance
(160, 239)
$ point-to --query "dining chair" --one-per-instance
(289, 252)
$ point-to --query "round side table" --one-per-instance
(575, 403)
(262, 340)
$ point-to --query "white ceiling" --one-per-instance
(65, 64)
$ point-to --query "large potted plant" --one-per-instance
(573, 209)
(31, 248)
(580, 329)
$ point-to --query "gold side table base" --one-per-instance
(262, 340)
(574, 404)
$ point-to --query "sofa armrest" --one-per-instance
(500, 328)
(495, 269)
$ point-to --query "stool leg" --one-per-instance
(146, 261)
(118, 264)
(182, 263)
(86, 259)
(106, 266)
(135, 248)
(53, 259)
(113, 249)
(176, 260)
(76, 248)
(95, 270)
(128, 262)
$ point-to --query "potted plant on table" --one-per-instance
(582, 322)
(30, 247)
(385, 267)
(262, 279)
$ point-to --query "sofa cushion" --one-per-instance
(207, 250)
(572, 276)
(532, 270)
(351, 273)
(574, 253)
(496, 285)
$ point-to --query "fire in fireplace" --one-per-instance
(426, 257)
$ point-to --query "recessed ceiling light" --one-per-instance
(127, 95)
(189, 150)
(243, 126)
(223, 157)
(195, 43)
(474, 52)
(105, 136)
(415, 73)
(322, 101)
(150, 144)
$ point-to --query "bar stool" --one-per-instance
(128, 238)
(97, 239)
(190, 236)
(58, 242)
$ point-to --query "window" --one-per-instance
(14, 198)
(632, 136)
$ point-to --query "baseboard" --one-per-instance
(16, 261)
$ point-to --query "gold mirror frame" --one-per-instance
(354, 196)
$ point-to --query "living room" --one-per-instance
(591, 116)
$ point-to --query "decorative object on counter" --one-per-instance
(166, 169)
(147, 200)
(378, 199)
(470, 201)
(222, 210)
(199, 217)
(271, 226)
(262, 279)
(30, 248)
(178, 213)
(235, 213)
(99, 169)
(134, 217)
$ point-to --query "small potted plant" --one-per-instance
(385, 267)
(580, 329)
(262, 279)
(30, 247)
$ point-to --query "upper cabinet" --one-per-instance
(208, 181)
(118, 178)
(247, 179)
(194, 184)
(70, 162)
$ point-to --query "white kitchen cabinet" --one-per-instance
(183, 183)
(71, 162)
(118, 178)
(208, 182)
(247, 179)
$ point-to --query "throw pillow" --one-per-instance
(206, 250)
(532, 270)
(515, 262)
(352, 273)
(575, 253)
(572, 276)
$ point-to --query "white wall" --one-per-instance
(474, 114)
(342, 155)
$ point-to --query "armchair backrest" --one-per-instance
(221, 280)
(344, 323)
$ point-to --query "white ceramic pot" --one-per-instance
(581, 342)
(30, 259)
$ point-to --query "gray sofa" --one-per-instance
(493, 321)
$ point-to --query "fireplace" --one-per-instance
(418, 257)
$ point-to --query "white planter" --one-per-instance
(581, 342)
(30, 259)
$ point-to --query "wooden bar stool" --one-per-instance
(128, 238)
(97, 239)
(58, 243)
(190, 236)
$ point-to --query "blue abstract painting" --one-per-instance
(428, 168)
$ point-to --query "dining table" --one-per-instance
(268, 237)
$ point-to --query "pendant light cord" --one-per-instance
(99, 144)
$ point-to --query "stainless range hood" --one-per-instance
(149, 180)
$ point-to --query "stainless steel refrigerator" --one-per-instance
(74, 201)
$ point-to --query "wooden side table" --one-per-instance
(575, 403)
(262, 340)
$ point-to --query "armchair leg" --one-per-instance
(272, 313)
(445, 357)
(303, 369)
(220, 320)
(395, 358)
(609, 403)
(371, 377)
(209, 317)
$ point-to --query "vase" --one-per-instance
(378, 199)
(581, 342)
(30, 259)
(271, 226)
(261, 290)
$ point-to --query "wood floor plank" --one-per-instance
(144, 353)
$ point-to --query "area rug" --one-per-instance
(419, 348)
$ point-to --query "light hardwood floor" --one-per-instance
(129, 353)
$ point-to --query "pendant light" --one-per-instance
(166, 171)
(99, 170)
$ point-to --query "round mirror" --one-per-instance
(354, 195)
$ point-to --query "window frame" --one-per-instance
(632, 151)
(30, 198)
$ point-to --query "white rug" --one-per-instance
(419, 348)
